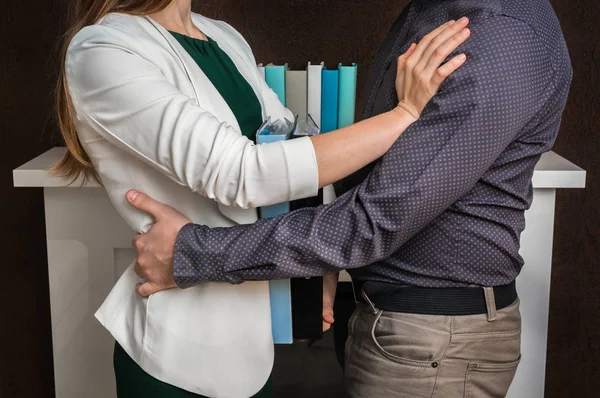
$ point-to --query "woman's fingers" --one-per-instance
(328, 319)
(425, 41)
(446, 70)
(437, 44)
(419, 73)
(402, 67)
(404, 57)
(442, 52)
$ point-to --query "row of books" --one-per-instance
(327, 95)
(326, 98)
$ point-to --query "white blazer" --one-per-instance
(151, 120)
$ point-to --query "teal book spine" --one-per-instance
(275, 77)
(329, 100)
(347, 95)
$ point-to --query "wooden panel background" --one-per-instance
(293, 31)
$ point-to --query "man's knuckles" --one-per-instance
(138, 242)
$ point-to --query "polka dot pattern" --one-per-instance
(445, 206)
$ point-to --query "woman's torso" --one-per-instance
(203, 338)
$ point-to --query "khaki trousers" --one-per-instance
(400, 355)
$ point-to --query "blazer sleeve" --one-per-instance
(127, 100)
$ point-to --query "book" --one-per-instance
(275, 78)
(296, 90)
(315, 78)
(279, 290)
(328, 194)
(281, 311)
(347, 95)
(329, 100)
(322, 100)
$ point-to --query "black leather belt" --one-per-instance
(432, 301)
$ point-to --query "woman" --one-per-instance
(155, 98)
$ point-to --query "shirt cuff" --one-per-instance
(191, 266)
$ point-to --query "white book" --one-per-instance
(296, 89)
(315, 79)
(315, 73)
(261, 70)
(328, 194)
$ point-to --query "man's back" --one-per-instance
(476, 148)
(444, 207)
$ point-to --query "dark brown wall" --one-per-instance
(28, 32)
(298, 31)
(574, 337)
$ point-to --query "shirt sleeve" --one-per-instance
(128, 101)
(487, 104)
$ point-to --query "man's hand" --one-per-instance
(155, 248)
(329, 289)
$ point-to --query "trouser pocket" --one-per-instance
(408, 340)
(489, 380)
(395, 355)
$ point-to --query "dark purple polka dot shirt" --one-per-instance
(445, 206)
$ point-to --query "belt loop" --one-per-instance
(490, 303)
(368, 300)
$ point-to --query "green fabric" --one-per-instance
(133, 382)
(226, 78)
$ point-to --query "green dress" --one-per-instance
(223, 74)
(132, 381)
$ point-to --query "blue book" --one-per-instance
(280, 294)
(347, 95)
(329, 100)
(280, 290)
(275, 78)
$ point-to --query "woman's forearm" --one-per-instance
(344, 151)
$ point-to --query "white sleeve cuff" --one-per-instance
(303, 170)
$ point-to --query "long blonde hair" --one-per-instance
(76, 161)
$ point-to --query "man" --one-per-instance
(430, 233)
